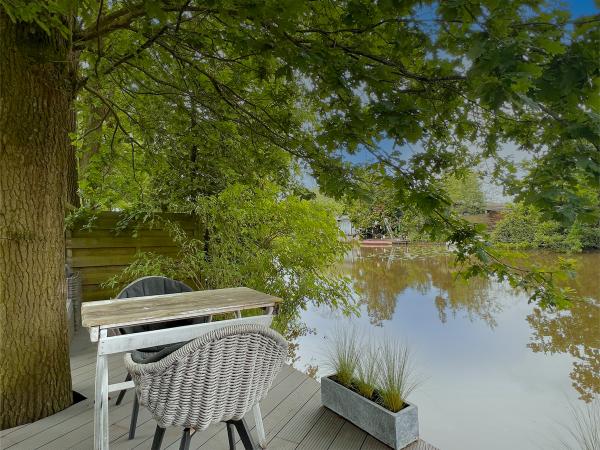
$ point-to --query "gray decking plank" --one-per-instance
(83, 435)
(39, 426)
(323, 433)
(373, 444)
(276, 396)
(74, 422)
(350, 437)
(302, 422)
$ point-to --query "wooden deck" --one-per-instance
(292, 413)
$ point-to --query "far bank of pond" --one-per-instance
(499, 373)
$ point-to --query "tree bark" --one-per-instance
(36, 97)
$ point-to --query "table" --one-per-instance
(102, 316)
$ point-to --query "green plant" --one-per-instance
(343, 354)
(366, 370)
(584, 430)
(397, 379)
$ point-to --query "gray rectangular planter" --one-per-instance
(394, 429)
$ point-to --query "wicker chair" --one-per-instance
(218, 377)
(153, 285)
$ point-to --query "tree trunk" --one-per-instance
(35, 120)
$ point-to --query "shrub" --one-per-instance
(590, 236)
(516, 227)
(524, 227)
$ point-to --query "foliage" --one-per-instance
(525, 227)
(343, 354)
(262, 238)
(380, 204)
(177, 100)
(397, 378)
(464, 191)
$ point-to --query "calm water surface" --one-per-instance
(499, 373)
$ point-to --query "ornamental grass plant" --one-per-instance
(367, 370)
(344, 354)
(583, 431)
(380, 373)
(397, 378)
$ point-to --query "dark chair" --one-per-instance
(142, 287)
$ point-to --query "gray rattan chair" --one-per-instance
(218, 377)
(153, 285)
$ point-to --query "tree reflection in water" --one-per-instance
(381, 275)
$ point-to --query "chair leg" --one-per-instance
(122, 393)
(159, 434)
(134, 416)
(243, 431)
(230, 436)
(185, 440)
(260, 428)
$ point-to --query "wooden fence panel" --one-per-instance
(102, 251)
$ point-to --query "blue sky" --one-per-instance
(582, 7)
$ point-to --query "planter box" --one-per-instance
(394, 429)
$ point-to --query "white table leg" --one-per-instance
(101, 400)
(260, 428)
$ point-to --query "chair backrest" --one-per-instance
(217, 377)
(152, 285)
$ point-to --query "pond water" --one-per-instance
(499, 373)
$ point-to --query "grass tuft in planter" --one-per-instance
(367, 371)
(397, 379)
(344, 354)
(370, 386)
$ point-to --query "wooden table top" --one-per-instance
(161, 308)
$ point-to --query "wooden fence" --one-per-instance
(102, 252)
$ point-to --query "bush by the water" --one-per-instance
(524, 227)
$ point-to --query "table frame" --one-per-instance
(108, 345)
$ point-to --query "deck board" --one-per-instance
(293, 416)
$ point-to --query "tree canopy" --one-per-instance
(184, 97)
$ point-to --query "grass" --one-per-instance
(384, 375)
(344, 354)
(397, 379)
(367, 371)
(584, 430)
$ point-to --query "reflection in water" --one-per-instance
(576, 332)
(498, 368)
(381, 275)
